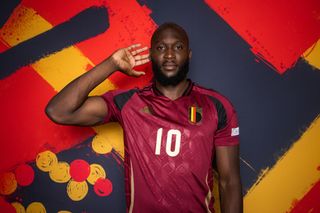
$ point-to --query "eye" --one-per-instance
(179, 47)
(160, 47)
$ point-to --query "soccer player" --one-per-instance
(173, 128)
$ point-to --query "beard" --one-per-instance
(172, 80)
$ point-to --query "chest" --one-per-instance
(191, 118)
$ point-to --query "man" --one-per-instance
(173, 128)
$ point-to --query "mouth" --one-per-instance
(169, 66)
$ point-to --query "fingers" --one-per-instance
(133, 52)
(141, 57)
(133, 46)
(137, 73)
(140, 62)
(137, 51)
(132, 49)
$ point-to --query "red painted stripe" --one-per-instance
(3, 47)
(129, 23)
(25, 129)
(59, 11)
(310, 202)
(278, 31)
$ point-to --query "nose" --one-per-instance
(169, 54)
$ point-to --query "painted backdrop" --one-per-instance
(263, 55)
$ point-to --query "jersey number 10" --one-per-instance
(170, 134)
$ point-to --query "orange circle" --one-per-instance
(60, 172)
(19, 207)
(8, 183)
(46, 161)
(36, 207)
(77, 190)
(96, 172)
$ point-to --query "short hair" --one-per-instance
(165, 26)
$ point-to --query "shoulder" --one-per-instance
(119, 97)
(216, 97)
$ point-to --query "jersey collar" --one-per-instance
(185, 93)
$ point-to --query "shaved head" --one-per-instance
(168, 26)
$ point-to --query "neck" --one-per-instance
(173, 92)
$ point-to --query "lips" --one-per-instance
(169, 66)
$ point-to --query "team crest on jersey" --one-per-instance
(195, 114)
(147, 110)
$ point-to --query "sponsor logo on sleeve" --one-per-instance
(235, 131)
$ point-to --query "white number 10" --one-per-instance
(170, 135)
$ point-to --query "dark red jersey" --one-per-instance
(170, 145)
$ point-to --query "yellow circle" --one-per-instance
(60, 172)
(36, 207)
(19, 207)
(46, 160)
(77, 190)
(8, 183)
(96, 172)
(100, 145)
(64, 211)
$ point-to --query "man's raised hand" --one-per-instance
(126, 59)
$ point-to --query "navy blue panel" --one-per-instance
(273, 110)
(85, 25)
(6, 8)
(54, 195)
(121, 99)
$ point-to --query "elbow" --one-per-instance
(55, 115)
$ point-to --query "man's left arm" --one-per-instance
(227, 161)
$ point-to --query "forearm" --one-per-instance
(71, 97)
(231, 196)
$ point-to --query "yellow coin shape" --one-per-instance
(46, 160)
(19, 207)
(100, 145)
(8, 183)
(96, 172)
(36, 207)
(77, 190)
(59, 172)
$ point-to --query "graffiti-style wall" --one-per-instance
(263, 55)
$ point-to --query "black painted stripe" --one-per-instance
(87, 24)
(6, 8)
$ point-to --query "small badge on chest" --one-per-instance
(195, 114)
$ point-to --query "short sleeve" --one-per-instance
(227, 133)
(114, 113)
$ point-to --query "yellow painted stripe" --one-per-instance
(312, 55)
(23, 24)
(57, 69)
(60, 68)
(216, 195)
(291, 177)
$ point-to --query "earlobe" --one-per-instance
(190, 53)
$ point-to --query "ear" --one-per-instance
(190, 53)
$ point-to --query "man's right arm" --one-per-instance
(72, 106)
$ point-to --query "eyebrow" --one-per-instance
(178, 41)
